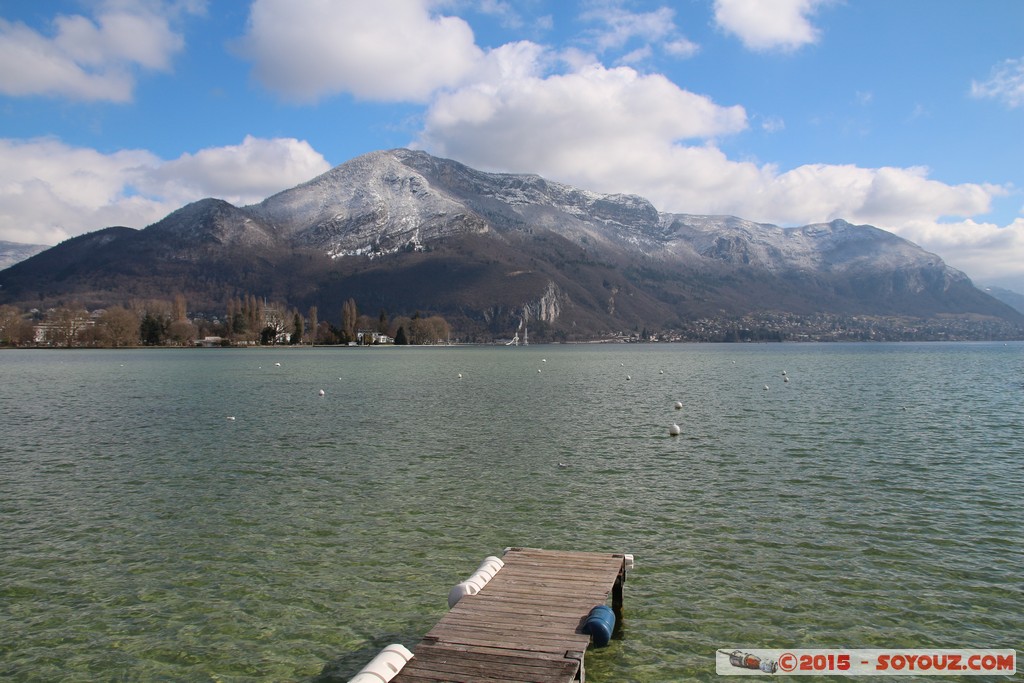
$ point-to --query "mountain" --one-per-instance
(1008, 297)
(13, 252)
(404, 231)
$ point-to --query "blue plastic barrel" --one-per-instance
(599, 625)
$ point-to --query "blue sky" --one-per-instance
(907, 115)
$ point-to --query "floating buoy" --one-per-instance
(674, 430)
(385, 666)
(321, 392)
(475, 583)
(678, 405)
(277, 364)
(783, 373)
(460, 375)
(543, 360)
(231, 418)
(563, 465)
(766, 387)
(786, 380)
(600, 624)
(661, 372)
(628, 377)
(538, 369)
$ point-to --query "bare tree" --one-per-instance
(349, 317)
(14, 328)
(64, 325)
(118, 327)
(181, 332)
(178, 309)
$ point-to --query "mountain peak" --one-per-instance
(212, 221)
(495, 249)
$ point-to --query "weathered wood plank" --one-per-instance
(524, 626)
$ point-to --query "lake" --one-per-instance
(207, 515)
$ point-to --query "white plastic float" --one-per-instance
(384, 666)
(473, 585)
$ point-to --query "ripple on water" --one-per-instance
(148, 538)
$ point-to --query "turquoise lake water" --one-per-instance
(874, 500)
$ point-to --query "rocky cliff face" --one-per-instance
(404, 231)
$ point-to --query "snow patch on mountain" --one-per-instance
(15, 252)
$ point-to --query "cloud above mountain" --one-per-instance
(50, 191)
(597, 110)
(396, 51)
(562, 113)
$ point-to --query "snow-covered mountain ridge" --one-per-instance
(13, 252)
(404, 231)
(385, 201)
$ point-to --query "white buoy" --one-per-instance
(475, 583)
(321, 392)
(543, 360)
(766, 387)
(678, 405)
(674, 430)
(661, 372)
(385, 666)
(460, 375)
(538, 369)
(628, 377)
(786, 380)
(783, 373)
(277, 364)
(563, 465)
(231, 418)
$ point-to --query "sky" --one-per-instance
(907, 115)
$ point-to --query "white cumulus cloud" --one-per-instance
(585, 124)
(92, 59)
(989, 253)
(769, 24)
(240, 174)
(386, 50)
(50, 191)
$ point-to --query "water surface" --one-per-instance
(873, 500)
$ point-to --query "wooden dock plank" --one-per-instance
(482, 663)
(524, 625)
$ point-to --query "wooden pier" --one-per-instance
(524, 625)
